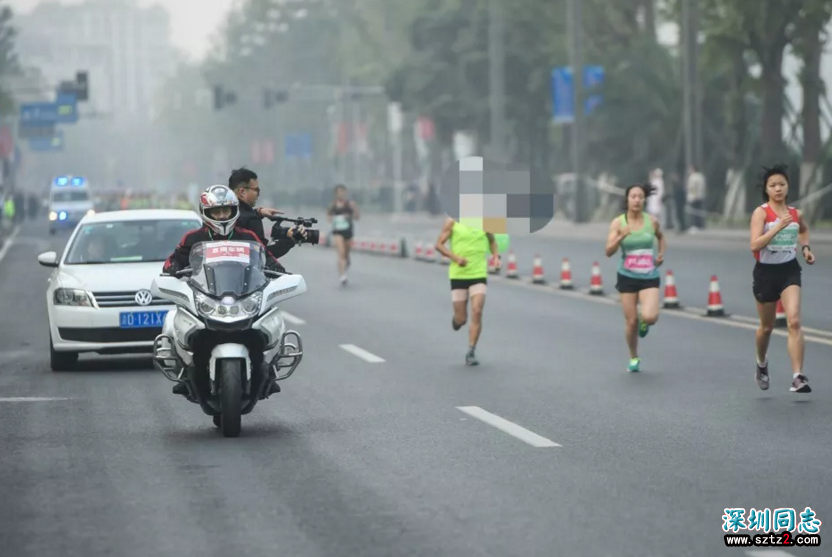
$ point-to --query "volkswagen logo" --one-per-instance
(144, 297)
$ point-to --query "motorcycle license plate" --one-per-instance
(141, 319)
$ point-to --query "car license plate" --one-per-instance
(141, 319)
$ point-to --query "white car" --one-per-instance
(99, 297)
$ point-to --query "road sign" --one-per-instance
(563, 92)
(36, 131)
(48, 144)
(67, 108)
(38, 114)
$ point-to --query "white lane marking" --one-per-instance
(767, 553)
(8, 243)
(506, 426)
(292, 319)
(30, 399)
(361, 353)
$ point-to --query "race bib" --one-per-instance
(232, 251)
(341, 222)
(785, 240)
(640, 262)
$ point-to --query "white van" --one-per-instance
(70, 200)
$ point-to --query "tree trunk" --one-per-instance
(812, 87)
(773, 105)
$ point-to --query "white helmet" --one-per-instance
(213, 198)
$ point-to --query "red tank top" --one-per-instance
(779, 255)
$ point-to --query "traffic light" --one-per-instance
(271, 97)
(223, 97)
(82, 83)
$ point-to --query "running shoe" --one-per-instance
(800, 384)
(471, 359)
(343, 280)
(762, 376)
(635, 365)
(455, 325)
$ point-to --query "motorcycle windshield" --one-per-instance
(228, 268)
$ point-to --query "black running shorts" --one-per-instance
(629, 285)
(771, 279)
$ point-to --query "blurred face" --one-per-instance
(220, 213)
(95, 249)
(341, 194)
(635, 199)
(777, 188)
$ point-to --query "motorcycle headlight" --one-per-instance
(229, 308)
(72, 297)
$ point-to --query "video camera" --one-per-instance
(312, 236)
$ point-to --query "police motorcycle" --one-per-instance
(226, 338)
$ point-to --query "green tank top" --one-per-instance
(638, 251)
(472, 244)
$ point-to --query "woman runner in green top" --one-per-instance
(469, 275)
(636, 232)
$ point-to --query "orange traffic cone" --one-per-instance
(430, 254)
(511, 269)
(671, 297)
(537, 271)
(565, 275)
(715, 308)
(596, 286)
(780, 318)
(417, 255)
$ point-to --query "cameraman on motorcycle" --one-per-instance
(243, 182)
(219, 209)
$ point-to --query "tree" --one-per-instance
(9, 64)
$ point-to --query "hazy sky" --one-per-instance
(193, 22)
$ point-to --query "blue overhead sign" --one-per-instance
(563, 92)
(38, 114)
(48, 144)
(66, 108)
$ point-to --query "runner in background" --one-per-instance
(342, 213)
(776, 230)
(635, 233)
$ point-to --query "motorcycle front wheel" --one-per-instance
(231, 397)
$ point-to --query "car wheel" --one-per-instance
(61, 361)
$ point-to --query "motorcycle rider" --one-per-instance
(219, 209)
(244, 183)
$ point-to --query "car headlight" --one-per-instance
(53, 215)
(72, 297)
(229, 308)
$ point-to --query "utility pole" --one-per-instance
(687, 85)
(575, 19)
(496, 97)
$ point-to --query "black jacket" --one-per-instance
(280, 243)
(180, 258)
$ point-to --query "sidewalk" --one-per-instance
(591, 230)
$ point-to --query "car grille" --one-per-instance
(123, 299)
(109, 334)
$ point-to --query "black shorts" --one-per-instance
(465, 284)
(347, 234)
(629, 285)
(771, 279)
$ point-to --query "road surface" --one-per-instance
(385, 444)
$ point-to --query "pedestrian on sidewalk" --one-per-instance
(696, 198)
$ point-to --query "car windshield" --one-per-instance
(68, 196)
(228, 268)
(137, 241)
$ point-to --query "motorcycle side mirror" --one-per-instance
(272, 274)
(183, 273)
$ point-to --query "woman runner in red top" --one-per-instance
(776, 230)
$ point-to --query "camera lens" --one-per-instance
(313, 236)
